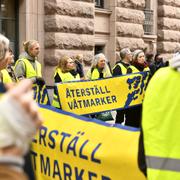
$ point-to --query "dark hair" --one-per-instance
(149, 57)
(156, 56)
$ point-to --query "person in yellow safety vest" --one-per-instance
(8, 74)
(121, 66)
(99, 68)
(4, 54)
(160, 123)
(27, 65)
(19, 119)
(64, 72)
(119, 69)
(138, 65)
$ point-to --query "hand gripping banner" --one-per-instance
(73, 147)
(86, 97)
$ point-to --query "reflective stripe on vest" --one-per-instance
(161, 125)
(123, 68)
(30, 71)
(6, 78)
(160, 163)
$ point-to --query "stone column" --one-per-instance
(129, 24)
(31, 23)
(168, 27)
(112, 39)
(69, 30)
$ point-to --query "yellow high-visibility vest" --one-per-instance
(123, 68)
(65, 77)
(95, 74)
(30, 71)
(6, 78)
(135, 70)
(161, 125)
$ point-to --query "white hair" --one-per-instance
(136, 54)
(97, 57)
(4, 46)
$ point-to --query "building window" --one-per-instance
(8, 22)
(99, 3)
(99, 49)
(149, 22)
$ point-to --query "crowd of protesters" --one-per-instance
(68, 69)
(71, 69)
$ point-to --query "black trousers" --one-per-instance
(141, 155)
(28, 167)
(132, 115)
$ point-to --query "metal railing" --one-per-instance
(148, 22)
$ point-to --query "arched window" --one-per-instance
(8, 22)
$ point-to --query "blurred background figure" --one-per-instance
(99, 68)
(79, 65)
(160, 62)
(175, 62)
(64, 72)
(151, 64)
(176, 51)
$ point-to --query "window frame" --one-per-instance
(14, 20)
(99, 3)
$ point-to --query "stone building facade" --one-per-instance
(87, 26)
(69, 30)
(168, 26)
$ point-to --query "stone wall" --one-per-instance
(129, 24)
(168, 26)
(69, 30)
